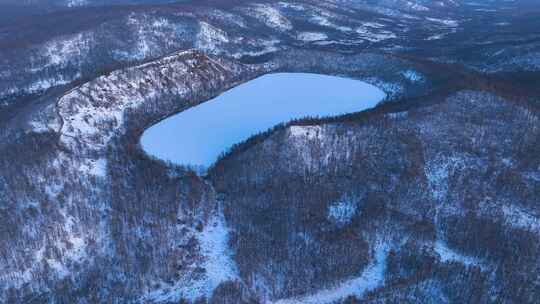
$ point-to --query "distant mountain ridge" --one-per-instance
(55, 49)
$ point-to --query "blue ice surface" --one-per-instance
(197, 136)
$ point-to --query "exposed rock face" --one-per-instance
(431, 197)
(94, 112)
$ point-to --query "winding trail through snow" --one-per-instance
(372, 277)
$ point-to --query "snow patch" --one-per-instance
(210, 37)
(398, 115)
(445, 22)
(60, 52)
(518, 217)
(529, 61)
(374, 25)
(446, 255)
(216, 260)
(311, 36)
(258, 47)
(77, 3)
(272, 17)
(93, 167)
(436, 37)
(415, 6)
(342, 211)
(308, 132)
(325, 21)
(412, 76)
(149, 34)
(369, 34)
(219, 264)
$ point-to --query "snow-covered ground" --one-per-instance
(199, 135)
(217, 262)
(342, 211)
(447, 255)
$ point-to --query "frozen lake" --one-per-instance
(197, 136)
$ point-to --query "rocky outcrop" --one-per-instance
(94, 112)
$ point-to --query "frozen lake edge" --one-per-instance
(197, 136)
